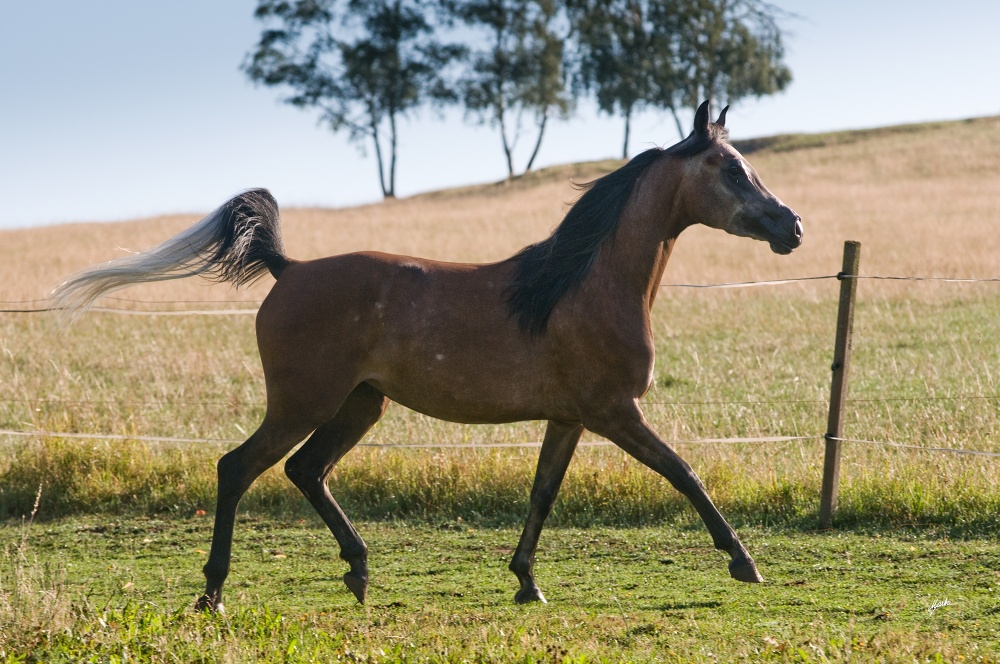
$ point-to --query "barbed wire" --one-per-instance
(129, 402)
(255, 303)
(140, 312)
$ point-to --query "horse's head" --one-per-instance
(722, 190)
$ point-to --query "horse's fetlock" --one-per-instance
(215, 572)
(355, 554)
(520, 565)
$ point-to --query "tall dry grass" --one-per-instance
(734, 363)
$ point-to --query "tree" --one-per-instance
(519, 71)
(671, 54)
(622, 56)
(727, 50)
(362, 64)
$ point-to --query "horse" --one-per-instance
(558, 332)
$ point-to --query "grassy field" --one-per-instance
(121, 589)
(914, 528)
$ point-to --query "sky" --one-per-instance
(118, 109)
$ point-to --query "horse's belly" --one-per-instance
(458, 401)
(480, 393)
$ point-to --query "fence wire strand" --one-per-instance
(524, 445)
(751, 284)
(225, 311)
(950, 280)
(595, 443)
(919, 448)
(252, 404)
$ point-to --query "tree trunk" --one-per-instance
(392, 161)
(677, 121)
(538, 143)
(628, 123)
(506, 146)
(378, 158)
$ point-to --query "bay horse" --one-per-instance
(558, 332)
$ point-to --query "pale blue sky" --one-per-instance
(116, 109)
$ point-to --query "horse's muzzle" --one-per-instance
(785, 235)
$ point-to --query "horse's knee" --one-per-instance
(301, 472)
(230, 469)
(237, 469)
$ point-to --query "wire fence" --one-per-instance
(22, 307)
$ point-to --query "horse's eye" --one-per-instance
(735, 170)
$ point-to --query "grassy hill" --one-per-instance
(921, 198)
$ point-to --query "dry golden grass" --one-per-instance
(922, 201)
(738, 363)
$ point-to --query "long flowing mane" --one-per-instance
(549, 269)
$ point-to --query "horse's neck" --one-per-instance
(635, 259)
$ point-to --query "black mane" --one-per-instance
(549, 269)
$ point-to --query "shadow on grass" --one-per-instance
(486, 490)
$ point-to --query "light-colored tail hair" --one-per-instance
(237, 243)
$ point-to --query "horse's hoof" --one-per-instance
(532, 594)
(209, 605)
(744, 569)
(357, 584)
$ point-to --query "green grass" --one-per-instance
(111, 565)
(104, 589)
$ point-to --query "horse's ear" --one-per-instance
(722, 117)
(701, 119)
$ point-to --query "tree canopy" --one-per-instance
(511, 64)
(518, 70)
(363, 65)
(672, 54)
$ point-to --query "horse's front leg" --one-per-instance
(627, 428)
(557, 450)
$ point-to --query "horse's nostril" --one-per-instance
(798, 229)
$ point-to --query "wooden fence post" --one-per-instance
(838, 387)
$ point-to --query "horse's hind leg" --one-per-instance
(311, 465)
(628, 429)
(557, 450)
(237, 471)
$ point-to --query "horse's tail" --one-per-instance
(236, 243)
